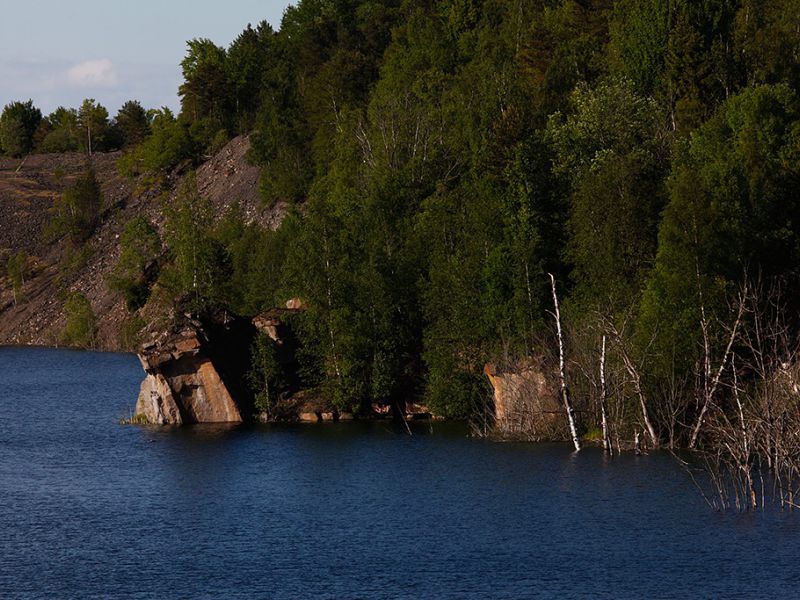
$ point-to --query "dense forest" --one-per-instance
(443, 157)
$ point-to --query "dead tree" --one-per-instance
(565, 397)
(756, 434)
(636, 380)
(603, 399)
(710, 385)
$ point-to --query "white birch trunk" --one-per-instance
(636, 379)
(603, 396)
(710, 391)
(562, 373)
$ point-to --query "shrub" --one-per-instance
(81, 327)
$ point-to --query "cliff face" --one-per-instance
(28, 190)
(526, 402)
(182, 384)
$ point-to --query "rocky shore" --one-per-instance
(196, 372)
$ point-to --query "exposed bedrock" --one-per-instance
(526, 402)
(196, 374)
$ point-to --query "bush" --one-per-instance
(17, 270)
(81, 327)
(78, 209)
(130, 333)
(168, 145)
(139, 249)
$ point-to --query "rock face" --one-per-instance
(183, 384)
(526, 402)
(272, 323)
(199, 372)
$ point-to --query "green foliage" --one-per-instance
(266, 375)
(255, 258)
(77, 212)
(93, 127)
(733, 209)
(81, 327)
(640, 32)
(768, 41)
(61, 131)
(132, 124)
(441, 158)
(17, 270)
(130, 333)
(18, 124)
(199, 265)
(168, 145)
(204, 93)
(612, 149)
(140, 247)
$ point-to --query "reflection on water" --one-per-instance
(89, 508)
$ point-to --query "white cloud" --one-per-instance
(92, 73)
(46, 81)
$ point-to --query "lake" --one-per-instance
(93, 509)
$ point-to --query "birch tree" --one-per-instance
(565, 396)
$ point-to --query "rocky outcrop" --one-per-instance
(273, 323)
(198, 372)
(183, 384)
(526, 401)
(310, 406)
(156, 404)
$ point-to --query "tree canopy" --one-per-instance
(437, 160)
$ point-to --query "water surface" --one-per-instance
(92, 509)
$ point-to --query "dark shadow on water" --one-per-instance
(361, 428)
(216, 432)
(197, 432)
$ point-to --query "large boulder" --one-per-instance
(183, 383)
(526, 401)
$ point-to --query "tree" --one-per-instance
(266, 377)
(733, 209)
(199, 267)
(62, 131)
(140, 247)
(639, 34)
(169, 145)
(77, 212)
(92, 126)
(767, 41)
(132, 124)
(248, 57)
(613, 150)
(17, 271)
(81, 326)
(205, 93)
(18, 124)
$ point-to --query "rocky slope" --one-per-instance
(28, 190)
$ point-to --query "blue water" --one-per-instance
(93, 509)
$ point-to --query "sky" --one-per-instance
(58, 52)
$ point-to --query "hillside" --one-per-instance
(28, 190)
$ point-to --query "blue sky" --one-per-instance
(58, 52)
